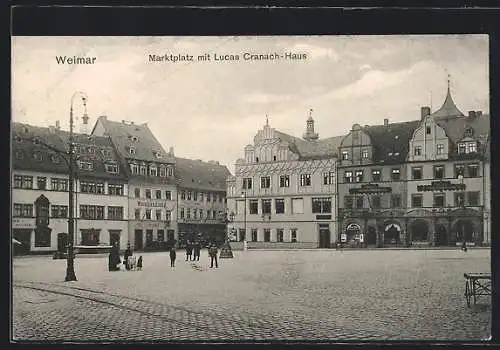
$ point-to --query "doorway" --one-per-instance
(371, 236)
(62, 242)
(138, 240)
(441, 236)
(324, 236)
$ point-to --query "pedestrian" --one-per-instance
(189, 250)
(114, 258)
(464, 246)
(173, 255)
(212, 252)
(196, 251)
(128, 252)
(139, 263)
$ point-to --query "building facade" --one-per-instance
(152, 195)
(201, 199)
(284, 191)
(40, 190)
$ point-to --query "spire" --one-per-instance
(449, 108)
(310, 135)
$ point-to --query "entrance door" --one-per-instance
(441, 236)
(23, 236)
(138, 240)
(324, 236)
(371, 236)
(62, 241)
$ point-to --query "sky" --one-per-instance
(211, 110)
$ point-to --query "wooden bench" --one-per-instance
(477, 284)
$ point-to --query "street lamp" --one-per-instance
(462, 205)
(70, 267)
(244, 196)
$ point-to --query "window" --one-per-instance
(158, 194)
(395, 174)
(85, 165)
(329, 178)
(170, 171)
(274, 158)
(293, 237)
(23, 210)
(201, 213)
(144, 169)
(131, 150)
(416, 173)
(459, 170)
(115, 189)
(168, 215)
(91, 187)
(473, 198)
(279, 234)
(208, 212)
(188, 213)
(149, 236)
(359, 175)
(267, 235)
(41, 182)
(25, 182)
(189, 195)
(297, 206)
(134, 168)
(439, 200)
(417, 150)
(242, 234)
(182, 213)
(195, 196)
(396, 201)
(321, 205)
(92, 212)
(459, 199)
(438, 172)
(428, 130)
(462, 148)
(201, 196)
(168, 195)
(256, 159)
(158, 214)
(214, 214)
(439, 149)
(305, 180)
(183, 194)
(364, 154)
(376, 176)
(59, 211)
(214, 197)
(160, 235)
(348, 202)
(208, 197)
(195, 214)
(284, 181)
(38, 156)
(221, 198)
(137, 214)
(468, 132)
(240, 206)
(279, 205)
(254, 234)
(58, 184)
(90, 237)
(266, 206)
(254, 205)
(148, 214)
(163, 172)
(472, 147)
(148, 193)
(416, 200)
(153, 170)
(19, 155)
(111, 168)
(348, 176)
(115, 213)
(137, 192)
(376, 202)
(360, 202)
(345, 155)
(472, 170)
(265, 182)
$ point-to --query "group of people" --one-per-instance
(193, 250)
(114, 259)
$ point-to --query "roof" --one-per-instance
(448, 109)
(314, 149)
(455, 128)
(101, 147)
(126, 135)
(391, 138)
(201, 175)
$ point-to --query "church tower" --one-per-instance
(310, 135)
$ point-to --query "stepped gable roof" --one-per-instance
(391, 138)
(54, 163)
(317, 149)
(448, 109)
(197, 174)
(138, 136)
(455, 127)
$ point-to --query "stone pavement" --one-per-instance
(258, 295)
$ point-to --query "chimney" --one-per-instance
(472, 114)
(58, 126)
(386, 121)
(424, 112)
(171, 151)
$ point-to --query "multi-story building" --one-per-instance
(448, 177)
(372, 183)
(152, 187)
(284, 191)
(201, 197)
(40, 190)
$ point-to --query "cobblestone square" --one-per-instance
(318, 295)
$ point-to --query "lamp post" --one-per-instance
(244, 195)
(462, 205)
(70, 267)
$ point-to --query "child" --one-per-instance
(139, 263)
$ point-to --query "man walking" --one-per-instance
(196, 251)
(173, 255)
(212, 251)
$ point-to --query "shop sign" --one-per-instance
(23, 223)
(151, 204)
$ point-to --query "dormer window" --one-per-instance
(468, 132)
(170, 171)
(462, 148)
(158, 155)
(131, 150)
(38, 156)
(111, 167)
(345, 155)
(365, 154)
(153, 171)
(134, 168)
(143, 169)
(417, 151)
(163, 171)
(472, 147)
